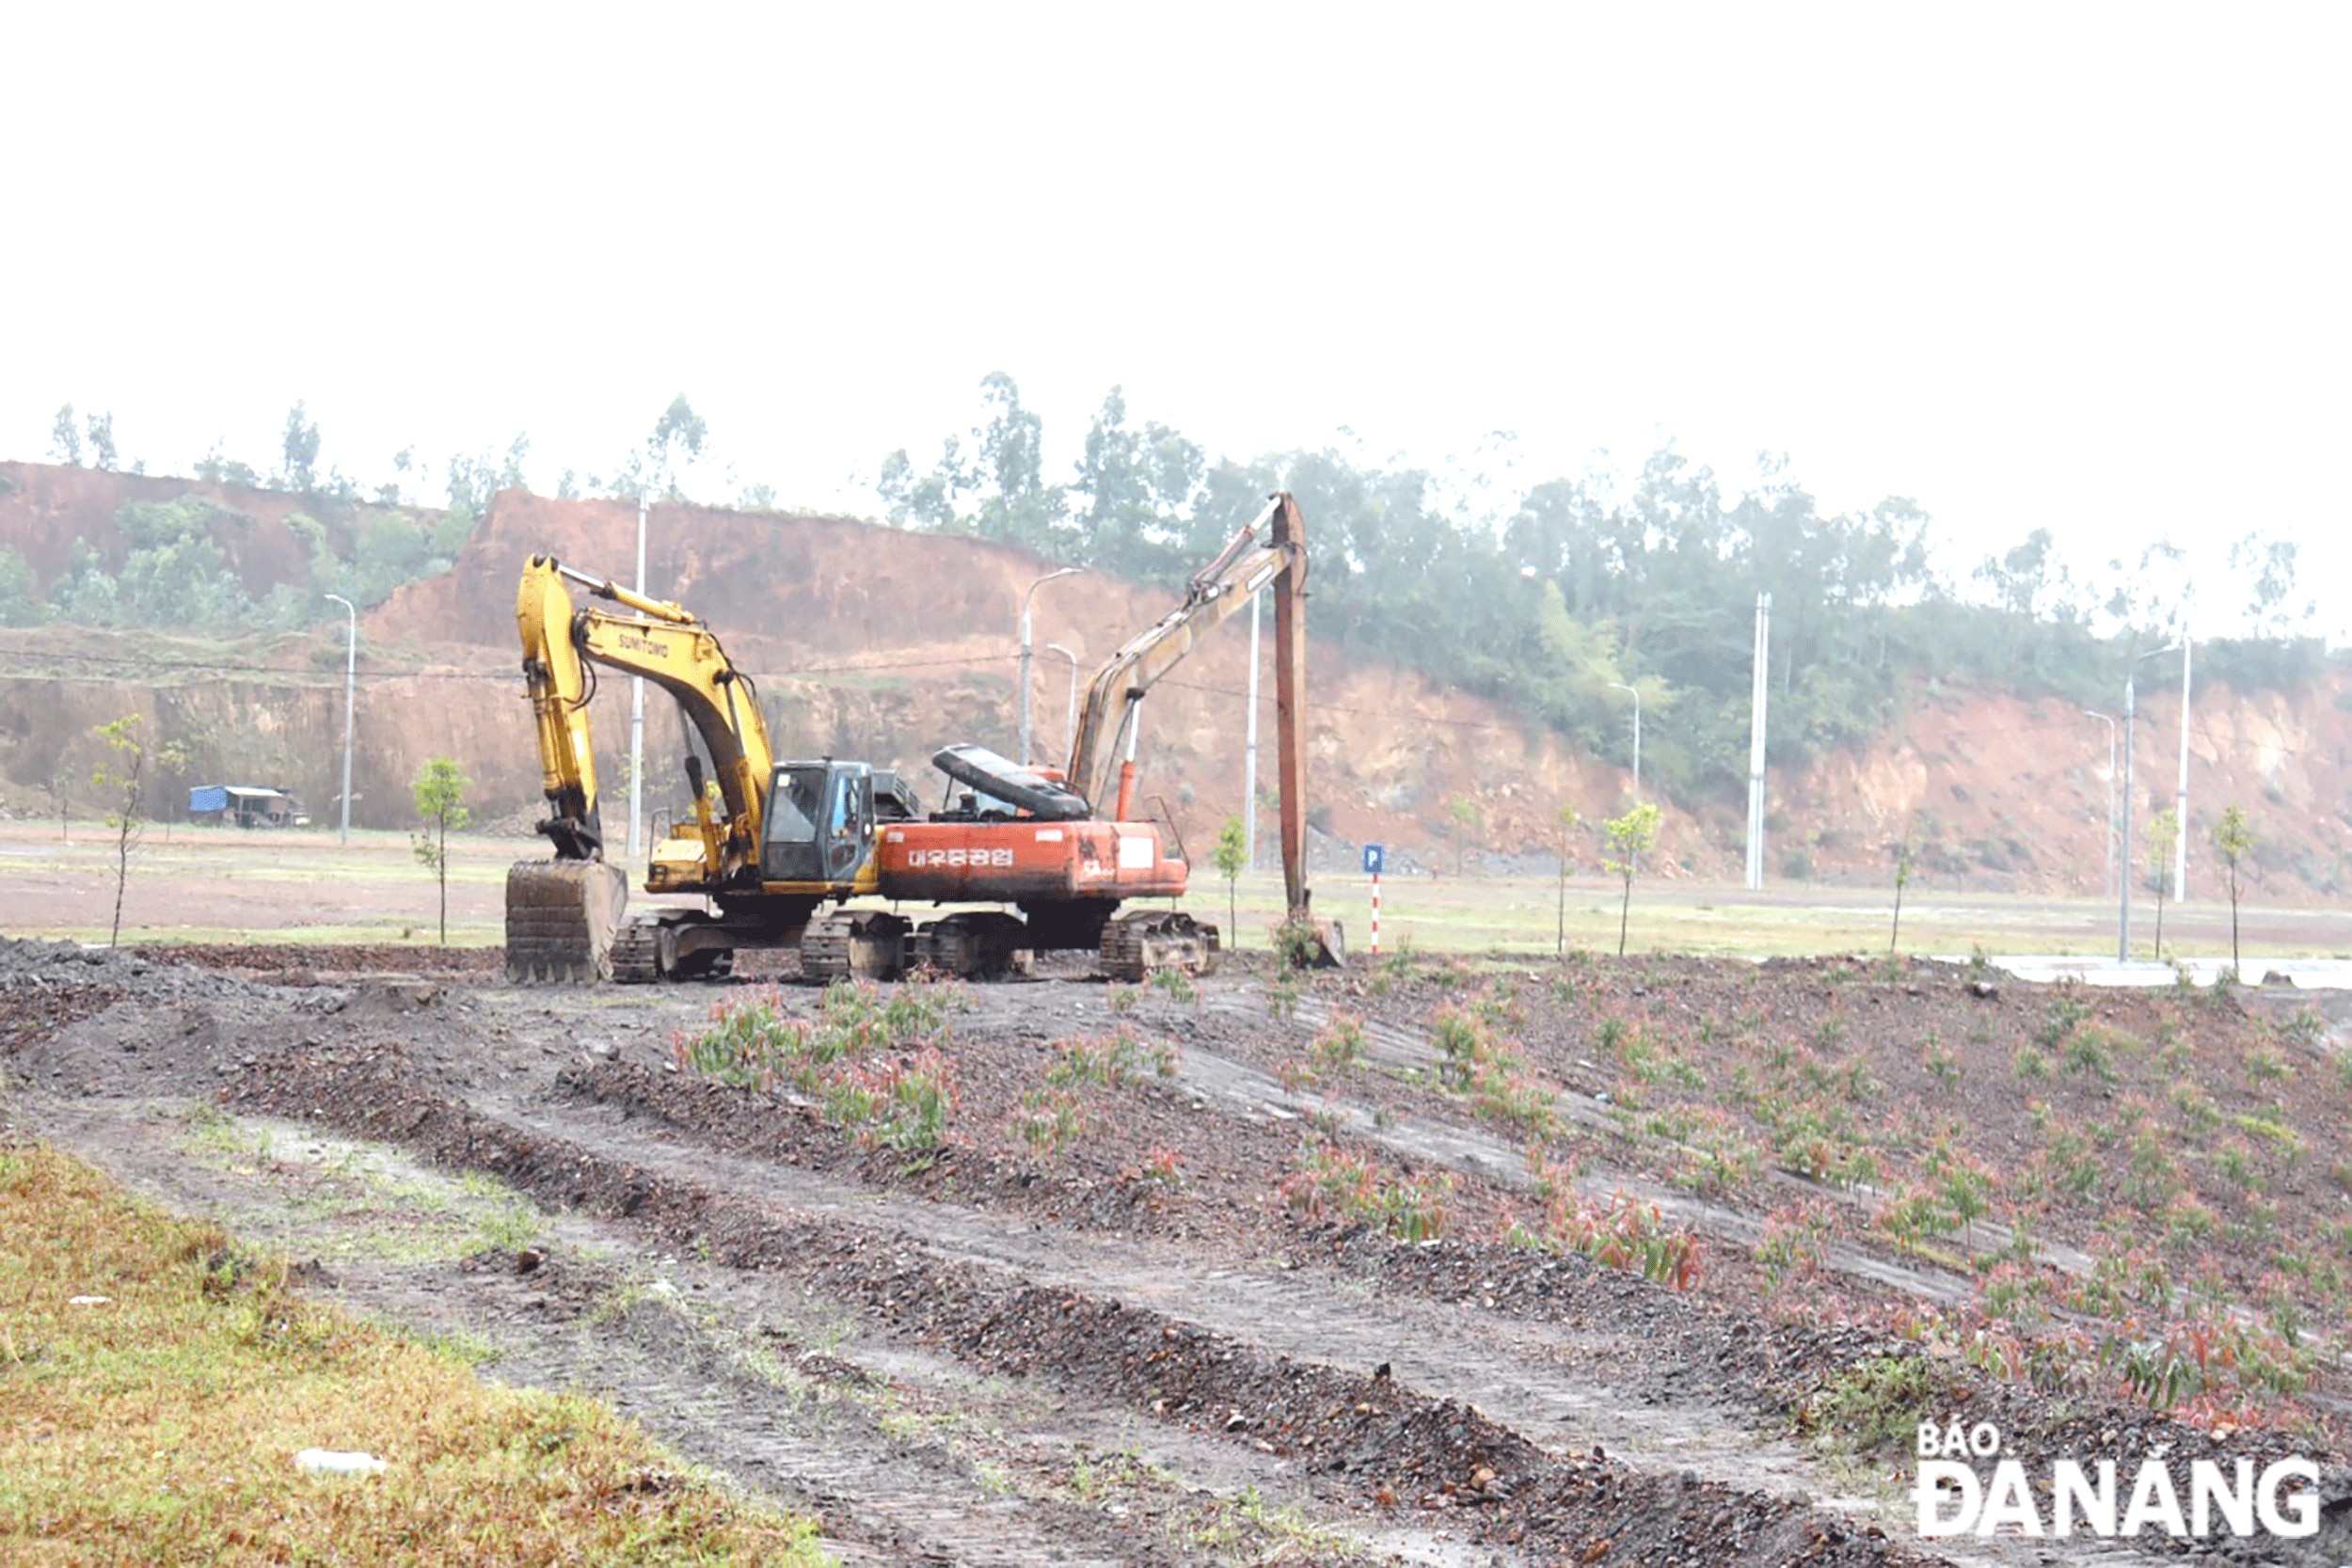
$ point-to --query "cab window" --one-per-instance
(798, 806)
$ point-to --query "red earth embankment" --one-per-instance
(872, 641)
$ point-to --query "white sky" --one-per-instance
(2076, 267)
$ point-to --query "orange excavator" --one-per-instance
(1066, 848)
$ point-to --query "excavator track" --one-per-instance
(647, 950)
(979, 945)
(1135, 944)
(637, 954)
(561, 920)
(862, 945)
(825, 949)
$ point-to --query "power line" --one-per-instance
(1366, 712)
(128, 665)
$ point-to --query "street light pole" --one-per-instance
(2124, 894)
(1620, 685)
(1069, 708)
(1755, 741)
(2180, 806)
(2109, 719)
(1061, 572)
(351, 667)
(637, 709)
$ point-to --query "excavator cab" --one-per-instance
(819, 822)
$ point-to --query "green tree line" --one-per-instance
(1547, 597)
(174, 572)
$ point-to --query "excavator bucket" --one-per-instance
(1310, 942)
(561, 916)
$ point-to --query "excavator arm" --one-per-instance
(1271, 549)
(563, 915)
(1271, 544)
(669, 646)
(1329, 945)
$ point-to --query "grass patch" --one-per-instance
(161, 1425)
(1871, 1405)
(1330, 1183)
(1493, 1073)
(362, 1199)
(1337, 1051)
(182, 866)
(1245, 1525)
(1624, 1233)
(878, 1069)
(1110, 1060)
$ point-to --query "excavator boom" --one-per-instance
(1270, 552)
(1068, 852)
(665, 645)
(1309, 940)
(1265, 547)
(1290, 711)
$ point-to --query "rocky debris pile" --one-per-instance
(86, 1019)
(33, 956)
(32, 965)
(310, 964)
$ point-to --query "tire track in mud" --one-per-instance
(1646, 1387)
(1297, 1303)
(910, 1501)
(880, 1498)
(1546, 1377)
(946, 1507)
(1357, 1440)
(821, 1443)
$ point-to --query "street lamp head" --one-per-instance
(1031, 590)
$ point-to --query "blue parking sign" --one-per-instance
(1373, 855)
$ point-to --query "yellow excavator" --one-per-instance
(779, 840)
